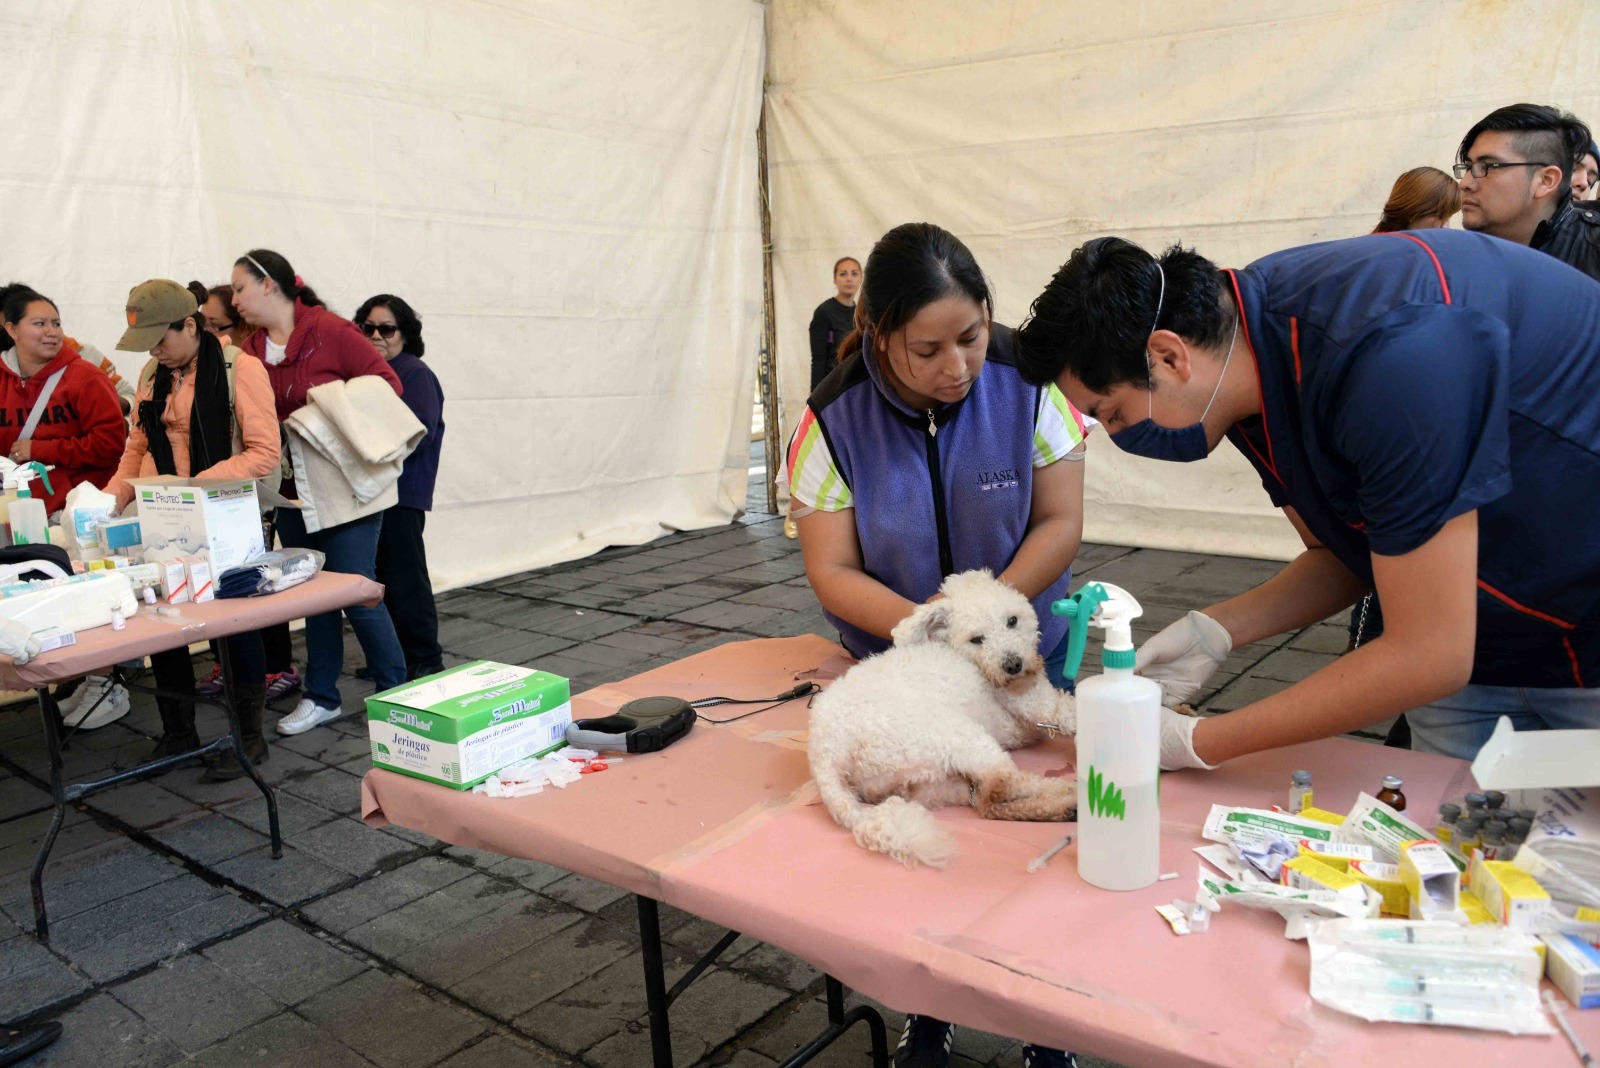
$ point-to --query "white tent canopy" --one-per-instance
(568, 194)
(565, 192)
(1027, 127)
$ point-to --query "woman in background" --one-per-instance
(204, 411)
(1423, 198)
(304, 345)
(78, 429)
(396, 332)
(834, 318)
(222, 319)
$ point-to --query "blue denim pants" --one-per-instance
(1056, 662)
(1458, 725)
(351, 549)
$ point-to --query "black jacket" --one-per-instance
(830, 324)
(1572, 235)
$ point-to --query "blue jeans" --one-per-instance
(1458, 725)
(1055, 665)
(351, 549)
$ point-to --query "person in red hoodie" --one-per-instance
(305, 345)
(79, 430)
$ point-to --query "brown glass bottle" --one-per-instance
(1391, 795)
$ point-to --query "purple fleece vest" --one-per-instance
(930, 504)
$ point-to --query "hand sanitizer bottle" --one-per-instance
(1119, 746)
(30, 525)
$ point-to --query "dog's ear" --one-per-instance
(928, 623)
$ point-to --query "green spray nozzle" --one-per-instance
(1079, 608)
(41, 472)
(1099, 604)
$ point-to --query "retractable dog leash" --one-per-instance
(650, 724)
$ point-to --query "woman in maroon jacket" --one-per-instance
(304, 345)
(79, 431)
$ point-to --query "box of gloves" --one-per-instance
(460, 726)
(220, 517)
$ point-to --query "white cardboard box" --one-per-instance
(219, 517)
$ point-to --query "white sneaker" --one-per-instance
(98, 702)
(307, 714)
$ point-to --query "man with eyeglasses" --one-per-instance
(1515, 169)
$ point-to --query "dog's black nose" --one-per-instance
(1013, 665)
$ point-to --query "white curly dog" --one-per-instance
(929, 722)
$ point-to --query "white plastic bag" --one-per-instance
(85, 509)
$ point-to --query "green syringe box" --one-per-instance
(458, 727)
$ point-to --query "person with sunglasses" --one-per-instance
(1515, 168)
(396, 332)
(305, 345)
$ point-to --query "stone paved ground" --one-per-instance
(177, 940)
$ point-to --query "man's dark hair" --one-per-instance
(1096, 316)
(409, 322)
(1542, 133)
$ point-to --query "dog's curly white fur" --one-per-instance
(929, 722)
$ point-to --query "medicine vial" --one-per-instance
(1494, 840)
(1516, 834)
(1391, 795)
(1476, 803)
(1300, 791)
(1446, 827)
(1467, 835)
(1494, 800)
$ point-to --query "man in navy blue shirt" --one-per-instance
(1423, 406)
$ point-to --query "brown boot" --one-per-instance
(177, 730)
(251, 704)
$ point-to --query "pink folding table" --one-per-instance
(98, 650)
(726, 825)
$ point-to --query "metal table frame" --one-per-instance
(659, 999)
(64, 793)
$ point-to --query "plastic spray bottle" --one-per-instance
(30, 524)
(1119, 746)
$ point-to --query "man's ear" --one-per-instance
(1169, 350)
(928, 623)
(1546, 181)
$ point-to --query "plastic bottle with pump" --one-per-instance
(30, 523)
(1119, 746)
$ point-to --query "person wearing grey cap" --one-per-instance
(203, 410)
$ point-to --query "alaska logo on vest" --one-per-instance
(1004, 478)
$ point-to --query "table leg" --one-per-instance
(226, 660)
(655, 981)
(51, 714)
(840, 1021)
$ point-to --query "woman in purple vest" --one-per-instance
(926, 454)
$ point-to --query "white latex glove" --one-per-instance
(1181, 658)
(17, 641)
(1177, 742)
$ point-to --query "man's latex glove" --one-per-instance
(1181, 658)
(17, 641)
(1177, 742)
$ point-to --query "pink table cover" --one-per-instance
(726, 825)
(148, 633)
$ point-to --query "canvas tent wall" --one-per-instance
(566, 192)
(1029, 126)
